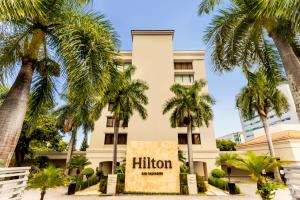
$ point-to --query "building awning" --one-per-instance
(280, 136)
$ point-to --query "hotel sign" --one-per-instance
(152, 166)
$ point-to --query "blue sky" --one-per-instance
(180, 15)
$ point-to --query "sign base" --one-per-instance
(111, 184)
(192, 184)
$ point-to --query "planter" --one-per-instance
(231, 188)
(72, 188)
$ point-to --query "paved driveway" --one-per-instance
(247, 189)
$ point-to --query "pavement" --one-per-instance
(248, 191)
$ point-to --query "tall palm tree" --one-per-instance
(68, 123)
(261, 96)
(239, 35)
(128, 96)
(192, 107)
(46, 37)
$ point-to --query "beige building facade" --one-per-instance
(160, 66)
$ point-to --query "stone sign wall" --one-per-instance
(152, 166)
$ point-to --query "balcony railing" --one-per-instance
(13, 182)
(292, 175)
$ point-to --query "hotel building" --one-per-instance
(160, 66)
(237, 137)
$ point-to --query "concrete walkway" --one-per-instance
(247, 189)
(93, 190)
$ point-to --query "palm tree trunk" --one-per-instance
(292, 67)
(116, 132)
(71, 147)
(268, 135)
(42, 195)
(190, 148)
(13, 110)
(270, 145)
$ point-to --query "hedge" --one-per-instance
(218, 173)
(85, 184)
(88, 172)
(222, 184)
(103, 185)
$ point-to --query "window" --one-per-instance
(110, 122)
(185, 79)
(109, 138)
(182, 138)
(110, 106)
(183, 66)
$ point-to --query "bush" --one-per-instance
(237, 190)
(201, 187)
(222, 184)
(88, 172)
(183, 184)
(217, 182)
(41, 162)
(85, 184)
(100, 174)
(184, 169)
(218, 173)
(103, 185)
(120, 183)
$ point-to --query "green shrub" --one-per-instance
(218, 173)
(183, 184)
(217, 182)
(100, 174)
(88, 172)
(120, 183)
(121, 178)
(222, 184)
(85, 184)
(103, 185)
(201, 187)
(267, 190)
(184, 169)
(41, 162)
(120, 188)
(237, 190)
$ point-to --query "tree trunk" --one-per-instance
(270, 145)
(71, 147)
(13, 110)
(268, 135)
(190, 148)
(292, 67)
(116, 132)
(42, 195)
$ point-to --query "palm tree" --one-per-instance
(260, 96)
(127, 96)
(239, 35)
(69, 124)
(46, 37)
(192, 107)
(257, 166)
(79, 163)
(227, 159)
(47, 178)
